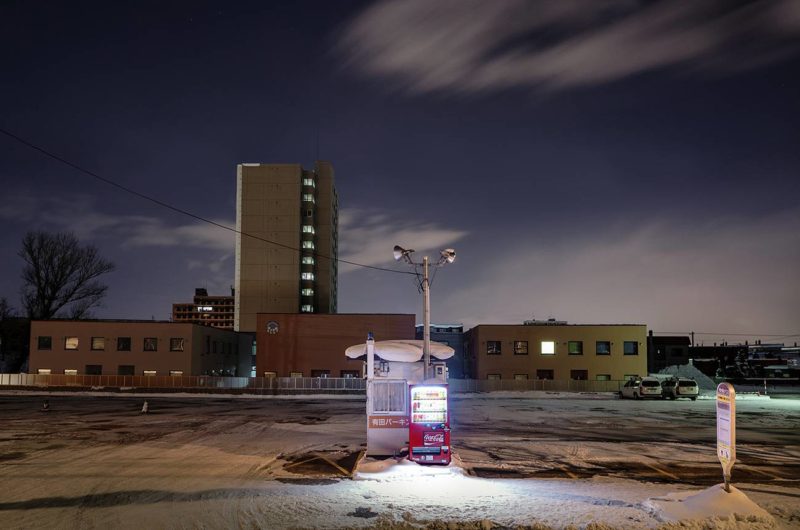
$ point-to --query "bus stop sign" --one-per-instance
(726, 430)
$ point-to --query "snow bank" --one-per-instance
(690, 372)
(404, 351)
(709, 509)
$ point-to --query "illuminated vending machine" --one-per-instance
(429, 430)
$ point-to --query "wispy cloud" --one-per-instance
(473, 45)
(82, 215)
(728, 274)
(367, 237)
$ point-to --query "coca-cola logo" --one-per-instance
(433, 438)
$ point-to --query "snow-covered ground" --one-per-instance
(582, 461)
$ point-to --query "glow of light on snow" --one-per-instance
(443, 485)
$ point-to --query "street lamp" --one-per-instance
(447, 255)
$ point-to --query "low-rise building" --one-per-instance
(214, 311)
(130, 347)
(556, 350)
(453, 336)
(313, 344)
(668, 350)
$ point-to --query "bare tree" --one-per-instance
(6, 311)
(60, 275)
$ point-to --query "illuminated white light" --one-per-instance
(548, 347)
(205, 308)
(439, 391)
(420, 483)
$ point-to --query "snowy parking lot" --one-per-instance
(528, 459)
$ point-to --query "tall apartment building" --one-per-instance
(290, 265)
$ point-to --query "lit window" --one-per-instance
(176, 372)
(71, 343)
(308, 245)
(308, 260)
(149, 372)
(308, 197)
(98, 343)
(308, 229)
(43, 371)
(521, 347)
(548, 347)
(307, 308)
(307, 275)
(493, 347)
(150, 344)
(307, 292)
(308, 182)
(176, 344)
(70, 371)
(575, 347)
(631, 348)
(270, 374)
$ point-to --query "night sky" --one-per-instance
(595, 162)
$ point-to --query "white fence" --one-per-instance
(189, 382)
(287, 384)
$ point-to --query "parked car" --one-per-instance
(681, 387)
(647, 387)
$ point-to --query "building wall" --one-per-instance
(304, 343)
(453, 336)
(271, 205)
(204, 348)
(327, 225)
(666, 351)
(507, 364)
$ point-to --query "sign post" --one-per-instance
(726, 430)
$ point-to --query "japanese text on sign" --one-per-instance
(388, 422)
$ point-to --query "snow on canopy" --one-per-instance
(407, 351)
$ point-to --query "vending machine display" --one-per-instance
(429, 430)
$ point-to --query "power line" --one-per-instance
(179, 210)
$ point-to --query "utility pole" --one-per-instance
(426, 319)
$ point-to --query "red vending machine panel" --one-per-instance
(429, 430)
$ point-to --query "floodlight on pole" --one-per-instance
(447, 255)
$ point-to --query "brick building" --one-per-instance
(128, 347)
(313, 345)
